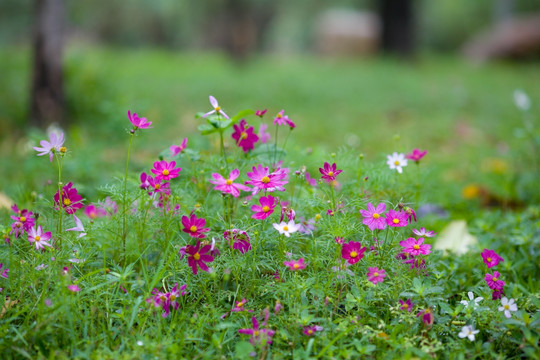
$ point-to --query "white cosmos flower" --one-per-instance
(521, 100)
(469, 332)
(471, 298)
(396, 161)
(287, 228)
(508, 306)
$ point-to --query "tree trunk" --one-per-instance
(47, 97)
(398, 26)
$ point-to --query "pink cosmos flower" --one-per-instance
(239, 306)
(415, 247)
(166, 300)
(311, 181)
(262, 179)
(427, 316)
(260, 113)
(376, 275)
(4, 273)
(282, 119)
(491, 258)
(139, 123)
(93, 212)
(406, 305)
(352, 252)
(50, 147)
(329, 172)
(295, 265)
(194, 226)
(24, 220)
(156, 185)
(74, 288)
(258, 335)
(71, 200)
(177, 149)
(338, 239)
(278, 307)
(264, 135)
(268, 203)
(78, 227)
(416, 155)
(411, 215)
(199, 256)
(227, 186)
(244, 136)
(240, 238)
(217, 108)
(396, 218)
(165, 171)
(493, 281)
(145, 184)
(424, 233)
(311, 330)
(374, 217)
(39, 238)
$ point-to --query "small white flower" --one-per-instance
(41, 267)
(471, 298)
(287, 228)
(140, 343)
(469, 332)
(217, 108)
(521, 100)
(508, 306)
(396, 161)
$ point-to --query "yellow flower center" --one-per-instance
(406, 306)
(243, 135)
(395, 221)
(19, 225)
(296, 266)
(265, 180)
(162, 297)
(63, 149)
(488, 259)
(256, 333)
(396, 163)
(23, 219)
(193, 229)
(197, 256)
(376, 216)
(330, 173)
(173, 297)
(495, 279)
(279, 116)
(310, 332)
(240, 304)
(416, 247)
(353, 254)
(165, 172)
(217, 108)
(375, 274)
(67, 202)
(37, 238)
(157, 186)
(317, 217)
(285, 228)
(265, 208)
(507, 307)
(228, 182)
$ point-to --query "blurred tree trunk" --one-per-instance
(47, 97)
(398, 35)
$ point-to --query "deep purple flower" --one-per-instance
(493, 281)
(260, 113)
(4, 273)
(240, 239)
(71, 200)
(244, 136)
(198, 256)
(427, 316)
(194, 226)
(139, 123)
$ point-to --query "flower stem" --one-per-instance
(275, 146)
(59, 160)
(124, 200)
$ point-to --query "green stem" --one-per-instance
(59, 160)
(275, 146)
(222, 149)
(124, 199)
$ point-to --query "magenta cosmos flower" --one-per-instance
(166, 300)
(262, 179)
(282, 119)
(239, 306)
(24, 220)
(139, 123)
(93, 212)
(374, 217)
(258, 335)
(416, 155)
(329, 172)
(177, 149)
(406, 305)
(240, 239)
(71, 200)
(260, 113)
(295, 265)
(39, 238)
(50, 147)
(74, 288)
(244, 136)
(227, 186)
(491, 258)
(396, 218)
(424, 233)
(165, 171)
(311, 330)
(194, 226)
(217, 108)
(198, 256)
(493, 281)
(415, 247)
(427, 316)
(268, 203)
(376, 275)
(353, 252)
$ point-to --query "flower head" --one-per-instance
(352, 251)
(262, 179)
(264, 135)
(311, 330)
(396, 161)
(468, 331)
(423, 233)
(74, 288)
(295, 265)
(166, 300)
(244, 136)
(239, 306)
(415, 247)
(406, 305)
(177, 149)
(199, 256)
(139, 123)
(52, 146)
(266, 208)
(427, 316)
(165, 171)
(260, 113)
(258, 335)
(227, 186)
(217, 108)
(286, 228)
(109, 205)
(471, 299)
(93, 211)
(240, 238)
(374, 217)
(71, 200)
(376, 275)
(493, 281)
(416, 155)
(396, 218)
(508, 306)
(329, 172)
(23, 220)
(491, 258)
(36, 236)
(194, 226)
(282, 119)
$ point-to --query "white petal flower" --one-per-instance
(471, 298)
(521, 100)
(396, 161)
(508, 306)
(287, 228)
(469, 332)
